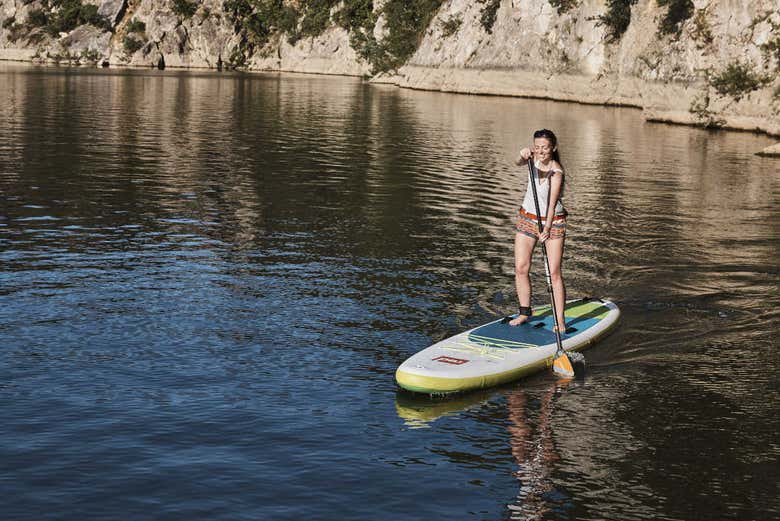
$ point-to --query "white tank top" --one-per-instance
(543, 193)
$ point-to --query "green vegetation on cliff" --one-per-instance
(406, 22)
(563, 5)
(131, 44)
(136, 36)
(771, 48)
(184, 8)
(62, 16)
(487, 16)
(359, 19)
(136, 26)
(677, 11)
(258, 21)
(450, 26)
(315, 17)
(737, 80)
(617, 18)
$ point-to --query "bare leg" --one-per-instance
(524, 248)
(555, 257)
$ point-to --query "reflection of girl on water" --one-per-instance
(549, 187)
(535, 455)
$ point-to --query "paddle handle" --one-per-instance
(544, 256)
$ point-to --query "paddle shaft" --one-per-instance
(544, 255)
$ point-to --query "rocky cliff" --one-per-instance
(713, 63)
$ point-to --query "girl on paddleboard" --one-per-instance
(549, 187)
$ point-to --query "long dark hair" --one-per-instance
(549, 135)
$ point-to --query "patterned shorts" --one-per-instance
(528, 225)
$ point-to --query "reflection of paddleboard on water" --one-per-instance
(496, 352)
(420, 411)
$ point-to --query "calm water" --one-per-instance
(207, 282)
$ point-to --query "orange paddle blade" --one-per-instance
(562, 366)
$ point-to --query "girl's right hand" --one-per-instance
(544, 235)
(525, 154)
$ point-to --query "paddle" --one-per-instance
(561, 365)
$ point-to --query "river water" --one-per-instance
(208, 280)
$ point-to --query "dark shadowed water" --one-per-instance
(207, 282)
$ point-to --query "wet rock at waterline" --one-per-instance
(773, 151)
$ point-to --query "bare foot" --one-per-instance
(518, 320)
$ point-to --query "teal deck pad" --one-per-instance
(530, 334)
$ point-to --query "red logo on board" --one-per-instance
(449, 360)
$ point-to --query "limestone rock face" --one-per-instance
(198, 41)
(17, 42)
(86, 39)
(329, 53)
(112, 10)
(527, 35)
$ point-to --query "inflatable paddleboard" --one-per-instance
(497, 353)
